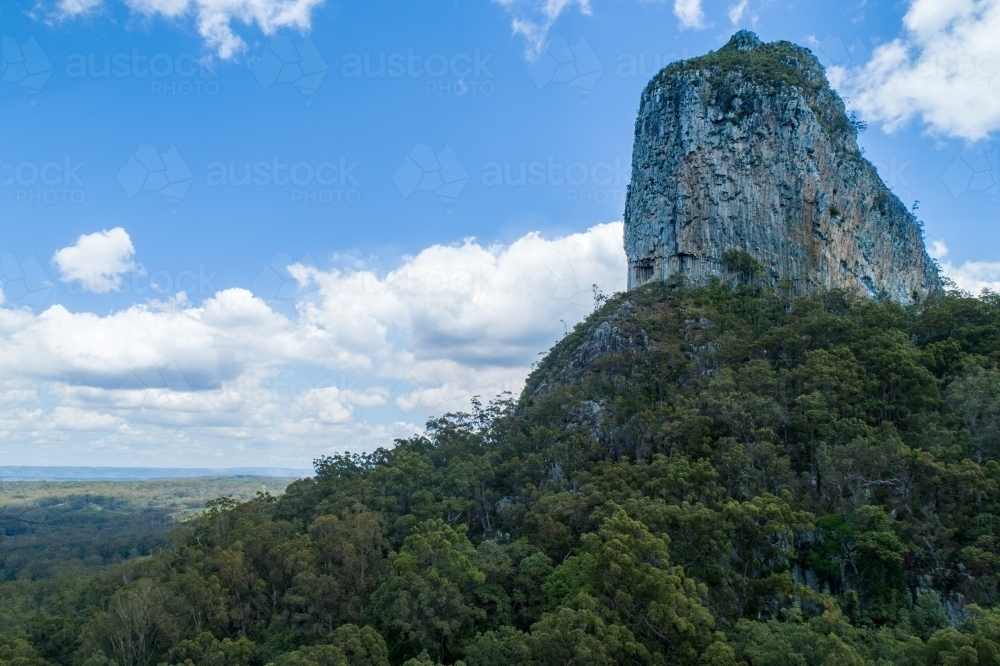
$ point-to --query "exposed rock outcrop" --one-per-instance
(748, 151)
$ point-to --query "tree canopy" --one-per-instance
(715, 476)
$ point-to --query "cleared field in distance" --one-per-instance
(181, 497)
(53, 527)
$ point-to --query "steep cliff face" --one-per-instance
(747, 149)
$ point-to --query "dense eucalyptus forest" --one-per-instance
(706, 475)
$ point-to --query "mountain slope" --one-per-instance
(694, 475)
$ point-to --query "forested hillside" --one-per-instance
(713, 475)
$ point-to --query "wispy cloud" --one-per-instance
(77, 7)
(532, 19)
(738, 11)
(214, 19)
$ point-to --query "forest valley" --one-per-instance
(708, 475)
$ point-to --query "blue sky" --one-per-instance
(248, 240)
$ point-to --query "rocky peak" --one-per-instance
(747, 156)
(744, 40)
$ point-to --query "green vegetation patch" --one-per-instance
(773, 64)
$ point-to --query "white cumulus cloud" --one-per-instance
(214, 19)
(97, 261)
(358, 360)
(689, 13)
(942, 71)
(974, 276)
(331, 405)
(532, 19)
(971, 276)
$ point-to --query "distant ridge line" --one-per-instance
(56, 473)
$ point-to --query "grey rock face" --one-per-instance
(748, 150)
